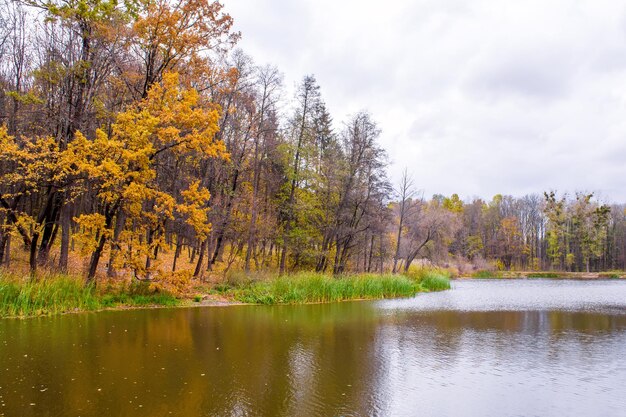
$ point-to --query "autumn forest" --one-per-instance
(138, 142)
(312, 208)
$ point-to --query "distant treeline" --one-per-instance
(534, 232)
(136, 138)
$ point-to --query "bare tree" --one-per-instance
(406, 192)
(269, 81)
(431, 224)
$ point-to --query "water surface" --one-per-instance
(486, 348)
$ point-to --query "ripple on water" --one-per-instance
(602, 296)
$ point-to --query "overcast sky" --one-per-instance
(474, 97)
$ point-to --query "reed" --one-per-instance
(435, 281)
(431, 278)
(51, 295)
(319, 288)
(59, 293)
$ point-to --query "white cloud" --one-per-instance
(478, 98)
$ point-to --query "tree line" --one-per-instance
(134, 129)
(534, 232)
(138, 140)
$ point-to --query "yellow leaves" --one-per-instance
(25, 222)
(181, 124)
(92, 226)
(174, 282)
(35, 162)
(129, 173)
(196, 210)
(182, 29)
(453, 203)
(510, 227)
(196, 194)
(4, 135)
(167, 121)
(164, 205)
(8, 146)
(134, 194)
(167, 128)
(27, 98)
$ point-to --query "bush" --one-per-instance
(171, 282)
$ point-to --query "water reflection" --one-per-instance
(438, 354)
(221, 361)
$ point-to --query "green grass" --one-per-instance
(319, 288)
(431, 279)
(20, 297)
(487, 274)
(138, 300)
(611, 274)
(57, 294)
(49, 296)
(435, 282)
(544, 275)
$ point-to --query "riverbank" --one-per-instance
(59, 294)
(548, 274)
(319, 288)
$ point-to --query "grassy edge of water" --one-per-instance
(58, 294)
(307, 287)
(488, 274)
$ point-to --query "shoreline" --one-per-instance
(66, 295)
(185, 303)
(190, 303)
(545, 275)
(229, 299)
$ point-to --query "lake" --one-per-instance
(485, 348)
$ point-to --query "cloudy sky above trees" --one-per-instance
(474, 97)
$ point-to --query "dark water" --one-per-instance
(487, 348)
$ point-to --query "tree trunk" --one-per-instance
(323, 259)
(97, 253)
(398, 241)
(411, 257)
(4, 242)
(66, 226)
(283, 259)
(177, 252)
(371, 256)
(115, 245)
(50, 220)
(32, 259)
(218, 248)
(95, 259)
(198, 269)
